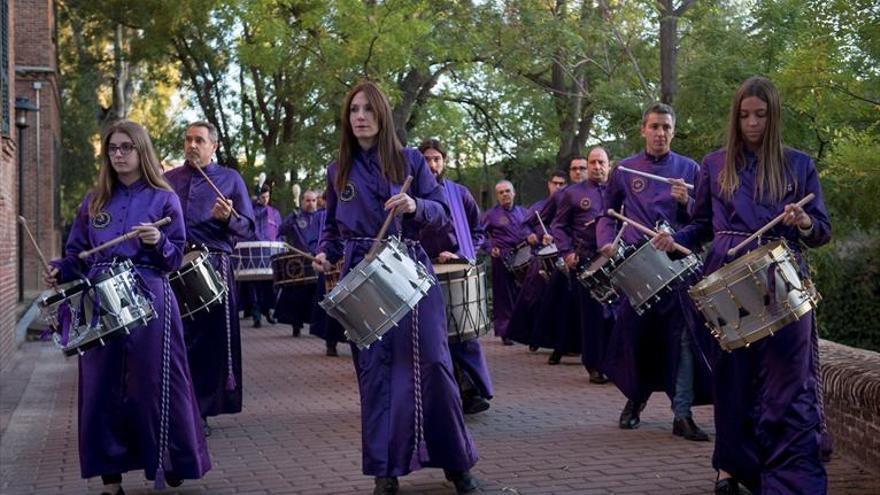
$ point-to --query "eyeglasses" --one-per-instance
(124, 149)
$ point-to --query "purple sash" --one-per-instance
(459, 220)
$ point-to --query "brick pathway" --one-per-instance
(548, 431)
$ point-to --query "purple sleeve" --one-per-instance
(431, 208)
(606, 226)
(167, 254)
(243, 226)
(330, 243)
(699, 229)
(559, 227)
(70, 266)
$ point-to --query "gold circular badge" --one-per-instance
(585, 204)
(638, 185)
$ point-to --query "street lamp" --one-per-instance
(23, 107)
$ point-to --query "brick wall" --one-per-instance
(8, 209)
(851, 379)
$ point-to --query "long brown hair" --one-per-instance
(770, 179)
(390, 150)
(151, 170)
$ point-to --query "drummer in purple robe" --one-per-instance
(458, 242)
(158, 429)
(258, 297)
(574, 230)
(524, 326)
(213, 338)
(655, 351)
(506, 230)
(769, 418)
(411, 414)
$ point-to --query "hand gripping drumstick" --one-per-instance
(645, 230)
(652, 176)
(375, 247)
(124, 237)
(732, 251)
(219, 194)
(46, 264)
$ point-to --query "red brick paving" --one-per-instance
(548, 431)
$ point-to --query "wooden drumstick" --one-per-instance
(652, 176)
(645, 230)
(124, 237)
(46, 264)
(219, 194)
(378, 242)
(732, 251)
(538, 214)
(301, 253)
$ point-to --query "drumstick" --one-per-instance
(538, 214)
(301, 253)
(46, 264)
(375, 247)
(732, 251)
(124, 237)
(645, 230)
(219, 194)
(652, 176)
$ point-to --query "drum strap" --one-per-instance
(420, 448)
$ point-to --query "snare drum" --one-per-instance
(754, 296)
(252, 260)
(377, 293)
(292, 269)
(645, 273)
(197, 286)
(596, 277)
(111, 303)
(548, 261)
(517, 262)
(464, 292)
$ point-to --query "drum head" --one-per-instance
(548, 250)
(451, 267)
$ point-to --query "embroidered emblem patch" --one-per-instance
(302, 223)
(348, 192)
(503, 220)
(638, 185)
(102, 220)
(585, 204)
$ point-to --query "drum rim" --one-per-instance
(113, 271)
(791, 316)
(207, 304)
(718, 279)
(72, 288)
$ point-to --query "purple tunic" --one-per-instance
(125, 421)
(296, 303)
(214, 338)
(505, 230)
(643, 353)
(574, 231)
(267, 221)
(320, 323)
(462, 236)
(768, 417)
(411, 365)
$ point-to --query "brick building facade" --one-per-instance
(31, 70)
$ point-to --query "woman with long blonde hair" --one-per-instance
(771, 435)
(137, 407)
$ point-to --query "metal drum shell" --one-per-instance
(466, 316)
(377, 293)
(645, 273)
(197, 285)
(252, 260)
(744, 282)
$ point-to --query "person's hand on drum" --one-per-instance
(664, 241)
(571, 260)
(679, 190)
(403, 202)
(320, 263)
(148, 234)
(50, 278)
(495, 253)
(222, 209)
(445, 256)
(795, 215)
(547, 239)
(532, 239)
(608, 250)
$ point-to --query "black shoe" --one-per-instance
(172, 481)
(506, 341)
(205, 427)
(598, 377)
(386, 486)
(474, 404)
(258, 324)
(555, 358)
(120, 491)
(533, 348)
(297, 331)
(729, 486)
(331, 350)
(270, 320)
(629, 417)
(685, 427)
(463, 480)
